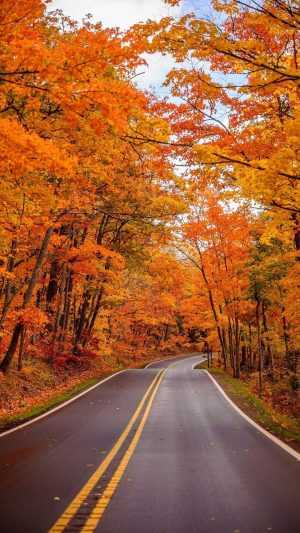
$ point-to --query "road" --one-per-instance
(179, 459)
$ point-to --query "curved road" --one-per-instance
(157, 450)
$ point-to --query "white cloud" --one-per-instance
(120, 13)
(153, 74)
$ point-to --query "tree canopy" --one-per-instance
(133, 223)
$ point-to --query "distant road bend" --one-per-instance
(158, 450)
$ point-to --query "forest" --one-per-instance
(134, 224)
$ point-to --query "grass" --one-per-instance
(285, 427)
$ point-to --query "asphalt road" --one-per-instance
(186, 462)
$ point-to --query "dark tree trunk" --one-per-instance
(53, 283)
(5, 364)
(296, 222)
(21, 348)
(259, 346)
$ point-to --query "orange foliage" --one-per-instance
(105, 246)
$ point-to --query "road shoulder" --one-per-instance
(286, 428)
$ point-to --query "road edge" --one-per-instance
(60, 406)
(257, 426)
(52, 410)
(192, 354)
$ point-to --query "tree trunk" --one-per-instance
(8, 296)
(21, 348)
(259, 347)
(250, 347)
(295, 219)
(269, 360)
(5, 364)
(53, 282)
(237, 348)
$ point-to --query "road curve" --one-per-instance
(189, 463)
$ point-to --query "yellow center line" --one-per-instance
(103, 502)
(76, 503)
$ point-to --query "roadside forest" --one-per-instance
(133, 224)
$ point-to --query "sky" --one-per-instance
(124, 13)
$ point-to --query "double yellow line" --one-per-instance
(104, 500)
